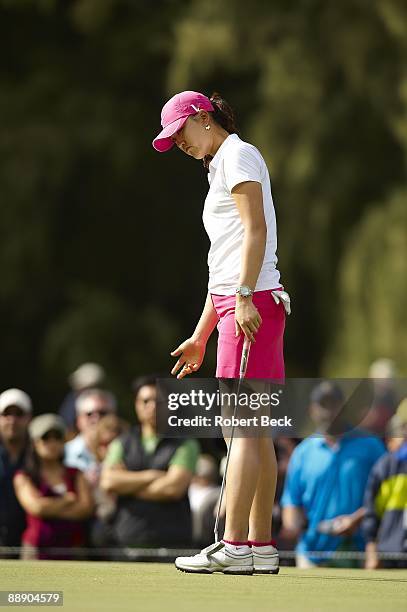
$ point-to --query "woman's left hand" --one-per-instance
(247, 318)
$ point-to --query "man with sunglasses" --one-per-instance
(15, 414)
(91, 406)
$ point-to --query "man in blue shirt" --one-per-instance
(86, 376)
(91, 406)
(326, 479)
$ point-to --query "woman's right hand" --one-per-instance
(191, 354)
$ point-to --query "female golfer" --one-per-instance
(240, 221)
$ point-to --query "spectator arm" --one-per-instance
(372, 558)
(117, 479)
(172, 486)
(83, 507)
(33, 502)
(293, 520)
(358, 516)
(371, 519)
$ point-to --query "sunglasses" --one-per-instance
(53, 435)
(100, 413)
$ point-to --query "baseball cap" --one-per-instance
(174, 114)
(382, 368)
(326, 392)
(87, 375)
(394, 427)
(15, 397)
(44, 423)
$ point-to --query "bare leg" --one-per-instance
(262, 506)
(242, 478)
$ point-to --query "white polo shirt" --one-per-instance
(236, 161)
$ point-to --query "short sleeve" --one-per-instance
(114, 453)
(293, 490)
(243, 163)
(374, 501)
(186, 455)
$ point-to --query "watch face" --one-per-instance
(245, 291)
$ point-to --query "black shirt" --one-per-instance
(12, 515)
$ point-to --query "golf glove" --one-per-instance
(282, 296)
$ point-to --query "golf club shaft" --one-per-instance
(242, 374)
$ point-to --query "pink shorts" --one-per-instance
(266, 359)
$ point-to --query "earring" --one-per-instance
(208, 127)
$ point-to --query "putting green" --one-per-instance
(153, 587)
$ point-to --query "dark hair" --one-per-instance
(150, 380)
(224, 116)
(32, 464)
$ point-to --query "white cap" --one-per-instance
(87, 375)
(382, 368)
(15, 397)
(44, 423)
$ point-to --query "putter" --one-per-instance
(242, 374)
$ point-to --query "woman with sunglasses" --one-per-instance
(245, 299)
(56, 499)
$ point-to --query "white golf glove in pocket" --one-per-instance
(279, 295)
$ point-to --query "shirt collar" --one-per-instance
(78, 441)
(83, 452)
(321, 441)
(213, 164)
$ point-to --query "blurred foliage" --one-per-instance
(102, 250)
(373, 306)
(322, 90)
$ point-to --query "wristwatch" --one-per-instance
(244, 291)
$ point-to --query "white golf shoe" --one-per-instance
(265, 560)
(218, 557)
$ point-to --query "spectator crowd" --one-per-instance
(85, 479)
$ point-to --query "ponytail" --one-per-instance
(224, 115)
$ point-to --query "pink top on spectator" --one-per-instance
(54, 532)
(174, 114)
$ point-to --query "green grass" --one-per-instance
(151, 587)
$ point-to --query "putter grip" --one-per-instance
(245, 357)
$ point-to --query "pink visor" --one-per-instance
(175, 113)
